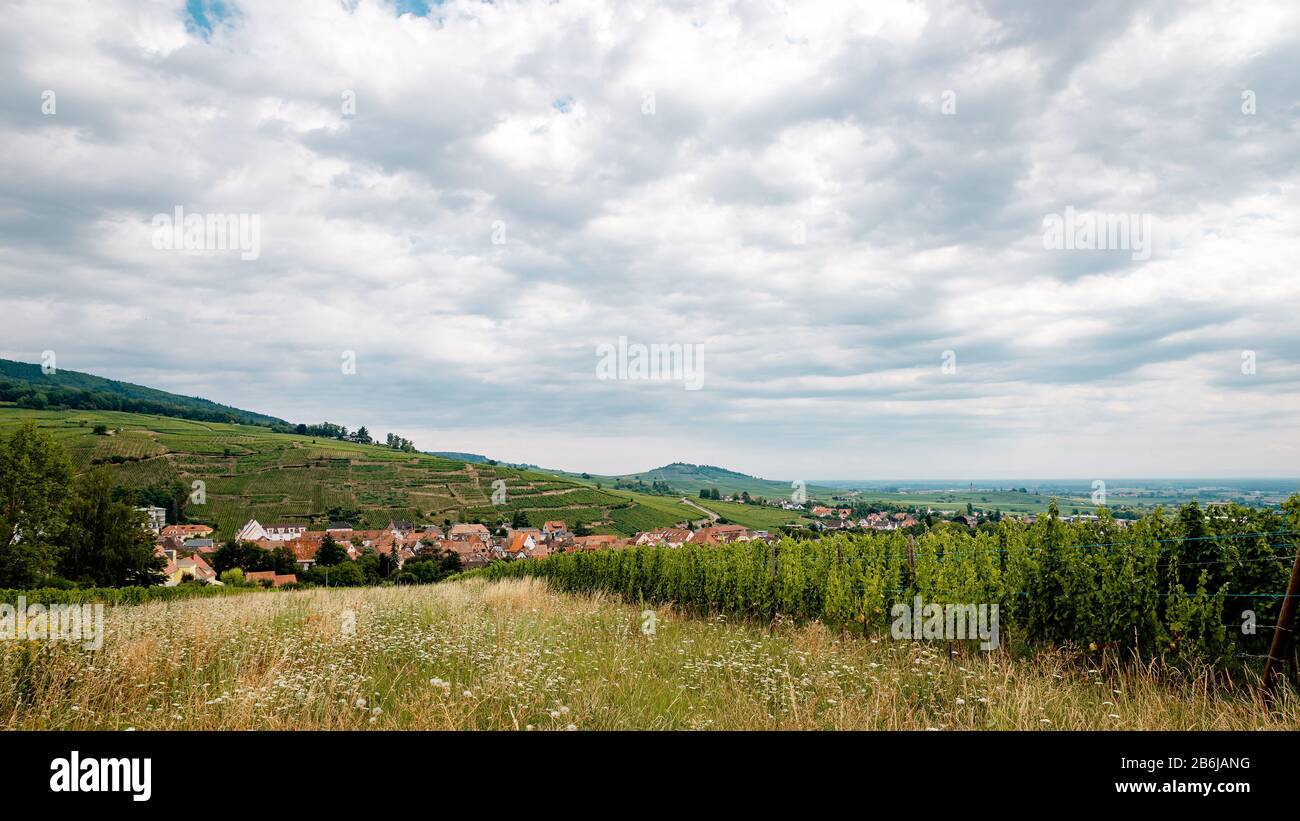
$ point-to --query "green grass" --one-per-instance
(515, 655)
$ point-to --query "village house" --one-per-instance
(720, 534)
(170, 545)
(194, 567)
(254, 531)
(156, 518)
(304, 550)
(520, 546)
(461, 532)
(186, 531)
(471, 552)
(271, 578)
(665, 536)
(341, 531)
(536, 533)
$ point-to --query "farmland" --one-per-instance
(956, 500)
(251, 472)
(1133, 495)
(759, 517)
(516, 655)
(1178, 587)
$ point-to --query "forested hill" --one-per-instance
(30, 387)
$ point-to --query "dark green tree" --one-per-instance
(330, 553)
(283, 560)
(106, 542)
(35, 496)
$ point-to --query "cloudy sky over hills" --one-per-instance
(834, 203)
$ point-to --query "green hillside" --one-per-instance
(689, 480)
(27, 385)
(253, 472)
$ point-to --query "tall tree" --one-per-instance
(35, 494)
(329, 553)
(283, 560)
(106, 541)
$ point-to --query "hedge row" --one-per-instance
(117, 595)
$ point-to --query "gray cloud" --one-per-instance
(921, 231)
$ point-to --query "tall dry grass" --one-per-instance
(514, 655)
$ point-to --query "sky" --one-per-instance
(853, 216)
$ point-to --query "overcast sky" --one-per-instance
(845, 207)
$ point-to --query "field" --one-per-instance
(513, 655)
(956, 500)
(649, 511)
(1138, 496)
(250, 472)
(759, 517)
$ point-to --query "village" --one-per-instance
(188, 548)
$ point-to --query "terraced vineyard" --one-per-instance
(250, 472)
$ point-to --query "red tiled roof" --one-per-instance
(276, 580)
(517, 543)
(184, 530)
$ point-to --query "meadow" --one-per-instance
(515, 655)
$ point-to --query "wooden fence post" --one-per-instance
(1282, 634)
(772, 585)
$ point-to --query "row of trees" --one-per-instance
(58, 531)
(39, 396)
(398, 443)
(334, 568)
(329, 430)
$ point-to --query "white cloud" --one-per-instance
(772, 123)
